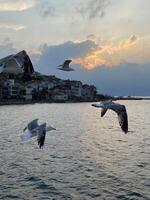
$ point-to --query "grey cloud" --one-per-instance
(55, 55)
(91, 37)
(45, 8)
(6, 48)
(94, 8)
(133, 38)
(125, 79)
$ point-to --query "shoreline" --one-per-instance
(3, 103)
(22, 102)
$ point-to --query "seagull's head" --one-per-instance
(50, 128)
(97, 105)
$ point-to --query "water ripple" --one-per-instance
(87, 158)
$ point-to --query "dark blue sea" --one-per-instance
(86, 158)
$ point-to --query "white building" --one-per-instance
(10, 89)
(88, 92)
(76, 88)
(60, 97)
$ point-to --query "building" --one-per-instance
(10, 89)
(61, 96)
(19, 81)
(88, 92)
(74, 89)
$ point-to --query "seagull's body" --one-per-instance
(65, 66)
(33, 129)
(118, 108)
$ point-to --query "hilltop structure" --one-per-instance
(19, 63)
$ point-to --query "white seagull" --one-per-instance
(34, 129)
(119, 109)
(65, 66)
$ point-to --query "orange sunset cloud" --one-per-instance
(102, 55)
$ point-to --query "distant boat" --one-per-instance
(33, 129)
(65, 66)
(119, 109)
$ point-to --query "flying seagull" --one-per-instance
(65, 66)
(34, 129)
(119, 109)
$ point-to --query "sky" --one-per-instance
(107, 40)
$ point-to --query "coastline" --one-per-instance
(23, 102)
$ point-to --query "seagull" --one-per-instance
(119, 109)
(65, 66)
(34, 129)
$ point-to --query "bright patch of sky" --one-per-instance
(32, 23)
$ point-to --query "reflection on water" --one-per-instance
(88, 157)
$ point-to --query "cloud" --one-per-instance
(87, 54)
(133, 38)
(51, 56)
(92, 59)
(123, 45)
(45, 8)
(91, 37)
(122, 79)
(12, 27)
(16, 5)
(104, 55)
(125, 78)
(7, 48)
(94, 8)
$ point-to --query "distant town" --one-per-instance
(20, 83)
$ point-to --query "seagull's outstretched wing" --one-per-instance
(66, 64)
(32, 125)
(41, 135)
(122, 115)
(30, 130)
(123, 120)
(103, 111)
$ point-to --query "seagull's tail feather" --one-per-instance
(60, 66)
(25, 136)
